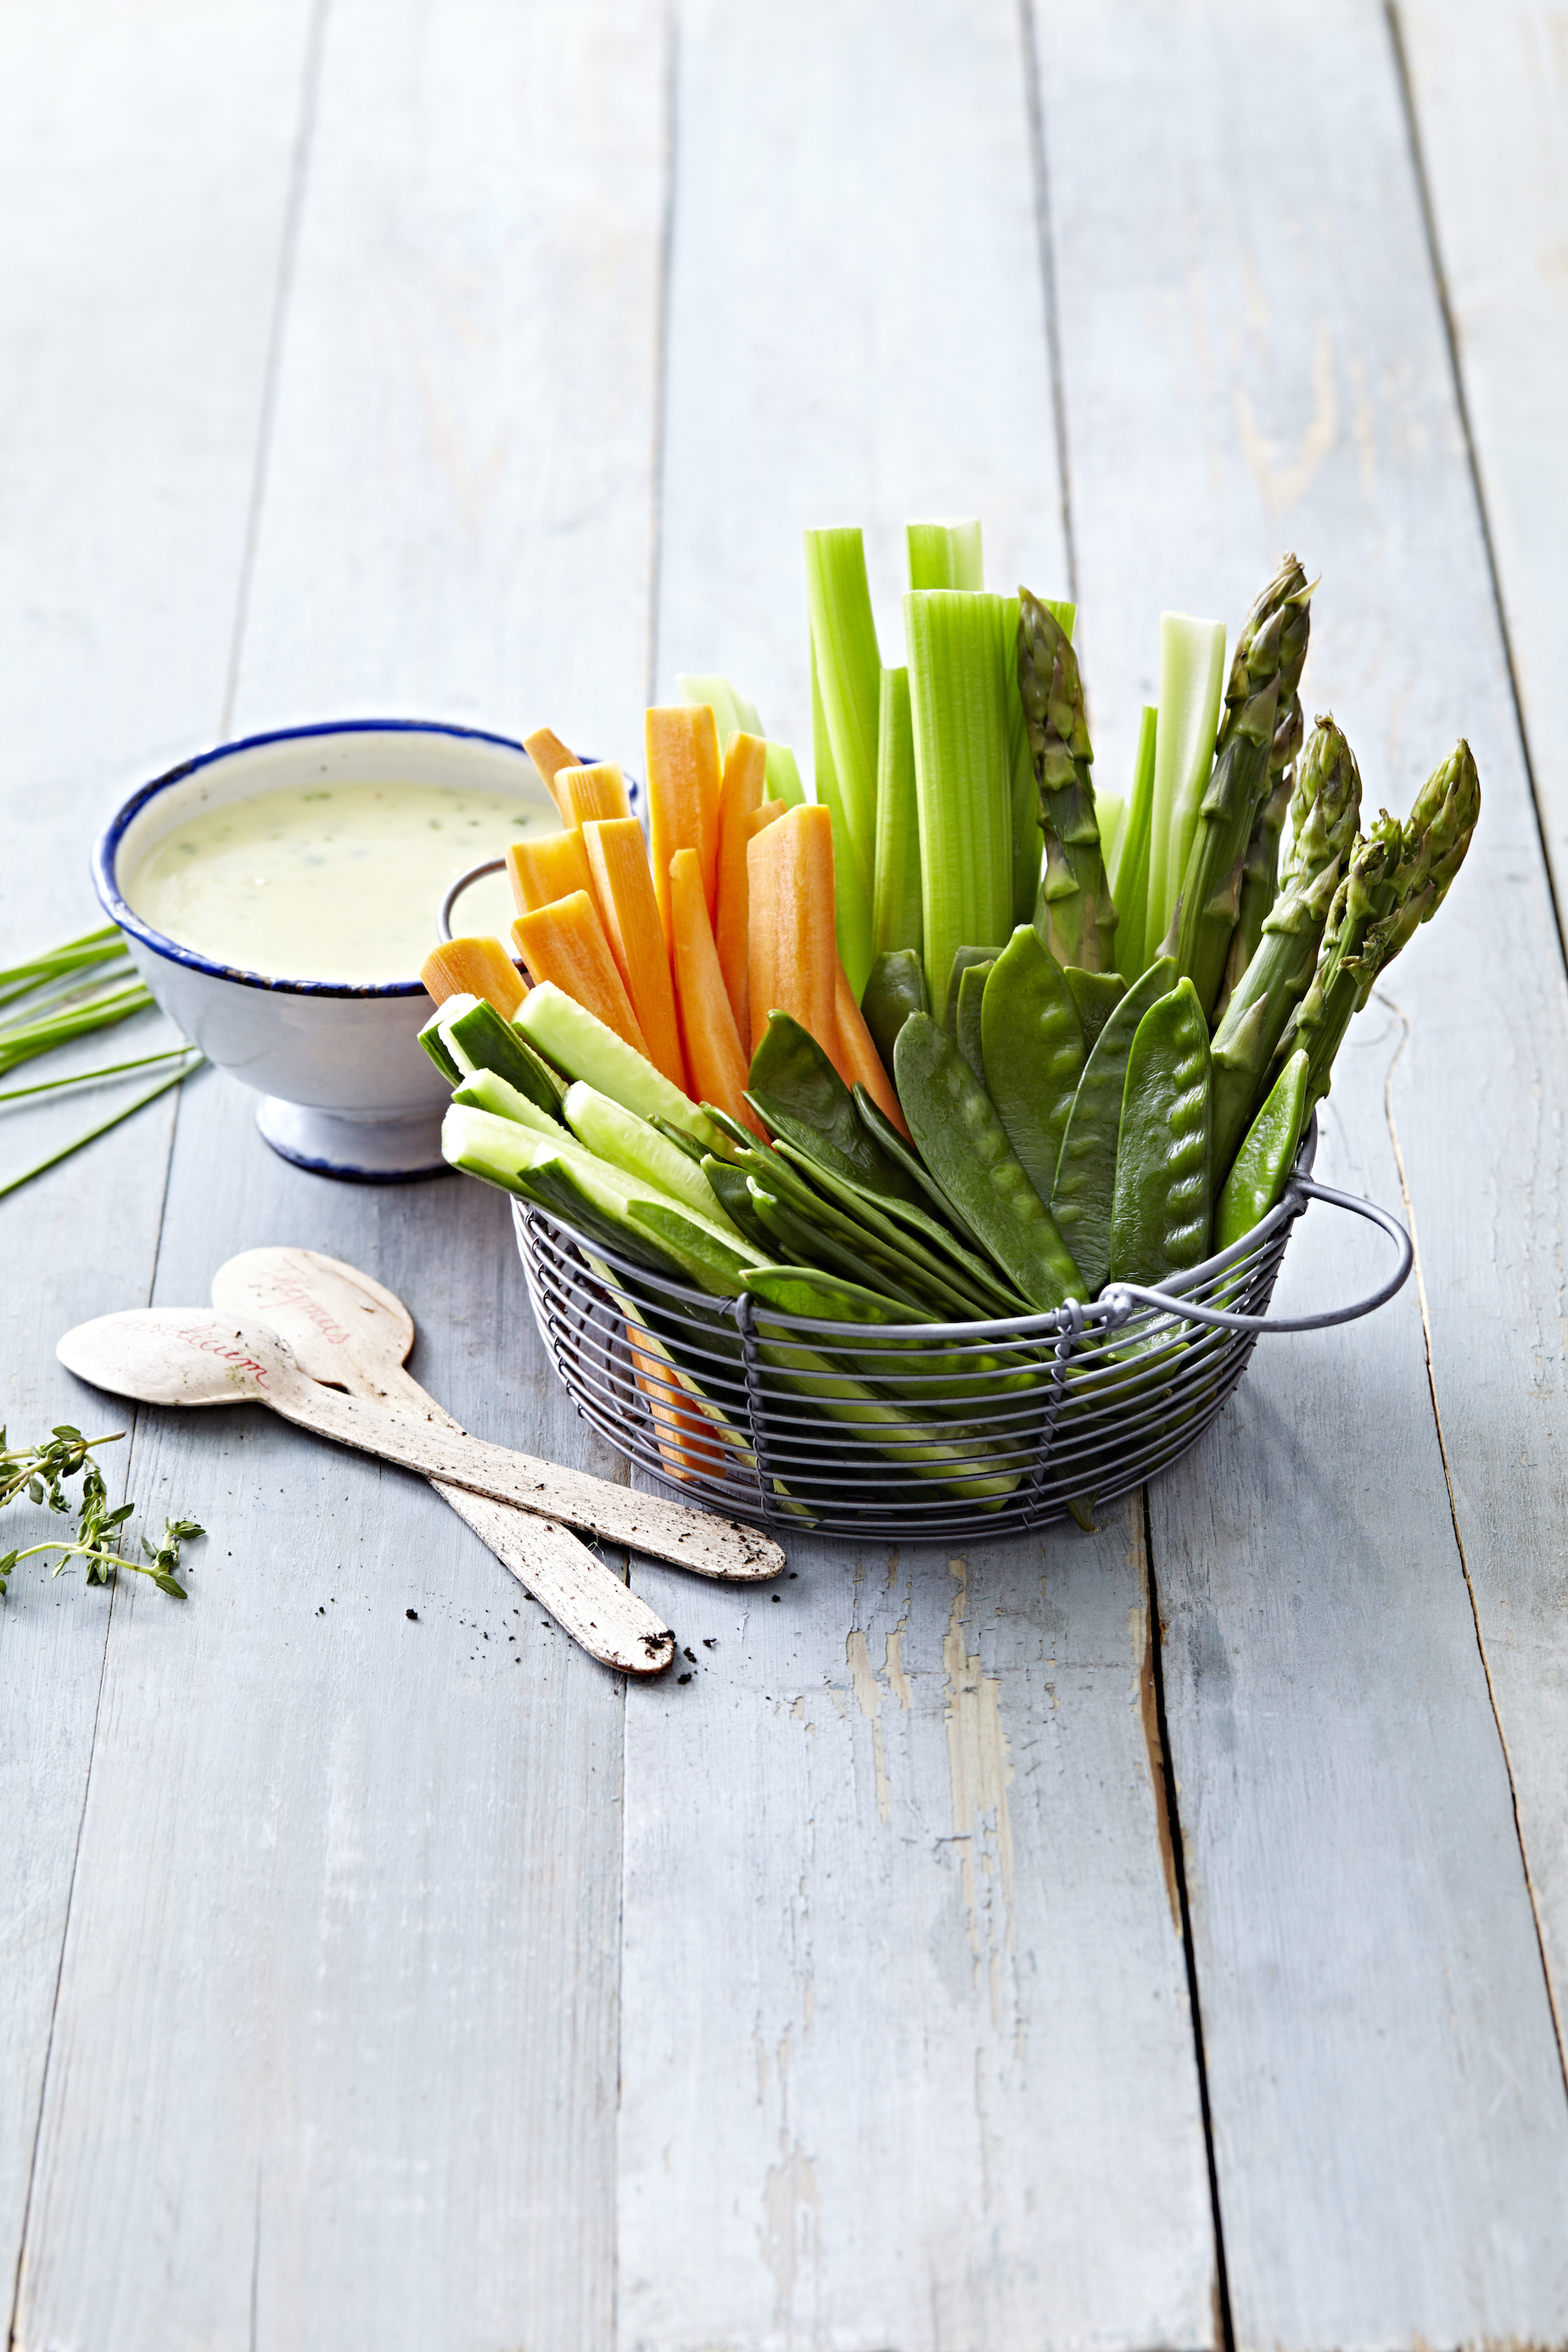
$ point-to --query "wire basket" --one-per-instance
(913, 1432)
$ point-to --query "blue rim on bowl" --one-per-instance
(106, 850)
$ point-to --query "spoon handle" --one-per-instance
(586, 1599)
(645, 1523)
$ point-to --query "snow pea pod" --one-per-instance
(909, 1159)
(1034, 1045)
(964, 960)
(965, 1146)
(902, 1225)
(794, 1089)
(792, 1238)
(1263, 1164)
(1097, 995)
(896, 989)
(1085, 1184)
(932, 1378)
(851, 1218)
(1159, 1211)
(971, 995)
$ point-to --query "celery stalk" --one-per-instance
(895, 895)
(784, 776)
(1111, 815)
(1130, 873)
(849, 678)
(1192, 672)
(851, 890)
(733, 713)
(958, 703)
(944, 554)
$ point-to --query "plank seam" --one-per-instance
(1189, 1952)
(661, 350)
(299, 172)
(1451, 340)
(1409, 1207)
(1045, 239)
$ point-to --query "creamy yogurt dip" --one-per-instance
(330, 881)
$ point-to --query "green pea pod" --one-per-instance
(896, 988)
(1082, 1194)
(1034, 1051)
(1161, 1210)
(965, 1146)
(944, 1377)
(862, 1229)
(964, 960)
(898, 1148)
(794, 1089)
(1097, 995)
(1257, 1178)
(901, 1226)
(971, 995)
(735, 1199)
(794, 1238)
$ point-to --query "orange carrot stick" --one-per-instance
(550, 755)
(713, 1052)
(624, 889)
(793, 954)
(739, 797)
(474, 967)
(565, 942)
(765, 815)
(588, 792)
(683, 780)
(547, 866)
(688, 1447)
(856, 1060)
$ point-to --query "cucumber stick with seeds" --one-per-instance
(1161, 1211)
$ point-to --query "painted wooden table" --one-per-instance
(1155, 1937)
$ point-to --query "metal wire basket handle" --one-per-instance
(1121, 1298)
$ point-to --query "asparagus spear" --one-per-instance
(1073, 914)
(1398, 878)
(1260, 865)
(1325, 813)
(1258, 709)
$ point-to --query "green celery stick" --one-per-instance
(896, 896)
(1129, 867)
(851, 885)
(1191, 673)
(944, 554)
(958, 698)
(733, 712)
(849, 679)
(784, 776)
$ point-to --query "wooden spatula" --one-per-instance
(346, 1329)
(187, 1356)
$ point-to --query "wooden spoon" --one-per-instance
(348, 1331)
(183, 1356)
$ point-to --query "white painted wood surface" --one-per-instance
(409, 1994)
(1260, 366)
(906, 2049)
(144, 159)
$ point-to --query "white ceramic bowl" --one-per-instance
(348, 1091)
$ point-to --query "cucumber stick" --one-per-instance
(569, 1036)
(630, 1144)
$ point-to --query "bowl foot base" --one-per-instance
(355, 1150)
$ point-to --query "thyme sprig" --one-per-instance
(40, 1472)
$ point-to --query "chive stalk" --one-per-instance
(15, 1183)
(959, 706)
(944, 554)
(1191, 673)
(1129, 867)
(896, 892)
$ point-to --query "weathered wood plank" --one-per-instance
(907, 2056)
(343, 1964)
(1251, 362)
(1494, 1251)
(144, 159)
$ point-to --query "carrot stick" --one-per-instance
(793, 956)
(547, 866)
(856, 1059)
(565, 942)
(708, 1031)
(624, 889)
(550, 755)
(688, 1446)
(474, 967)
(588, 792)
(739, 797)
(765, 815)
(683, 780)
